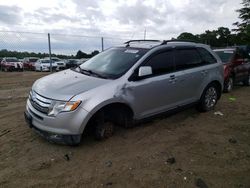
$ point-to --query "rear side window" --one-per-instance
(162, 63)
(187, 58)
(207, 58)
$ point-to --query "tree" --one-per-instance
(243, 27)
(95, 52)
(223, 35)
(188, 37)
(81, 54)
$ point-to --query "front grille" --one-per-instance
(39, 102)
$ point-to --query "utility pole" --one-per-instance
(49, 52)
(145, 32)
(102, 44)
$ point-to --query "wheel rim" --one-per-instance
(108, 129)
(230, 84)
(210, 97)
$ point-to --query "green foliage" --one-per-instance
(243, 27)
(216, 38)
(223, 36)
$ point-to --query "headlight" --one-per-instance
(61, 106)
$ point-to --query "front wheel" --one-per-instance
(104, 130)
(209, 98)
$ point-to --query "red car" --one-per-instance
(11, 64)
(29, 63)
(236, 67)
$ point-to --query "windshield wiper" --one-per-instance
(90, 72)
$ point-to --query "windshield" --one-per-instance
(114, 62)
(72, 61)
(11, 60)
(55, 59)
(33, 60)
(46, 61)
(226, 55)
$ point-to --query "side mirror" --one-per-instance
(145, 71)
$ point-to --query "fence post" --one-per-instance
(49, 52)
(102, 44)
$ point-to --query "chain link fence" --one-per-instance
(64, 46)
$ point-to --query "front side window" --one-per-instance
(187, 58)
(162, 63)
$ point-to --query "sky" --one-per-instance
(80, 24)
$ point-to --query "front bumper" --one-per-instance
(48, 68)
(66, 127)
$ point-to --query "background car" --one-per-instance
(70, 63)
(11, 64)
(83, 60)
(61, 65)
(236, 66)
(29, 63)
(44, 65)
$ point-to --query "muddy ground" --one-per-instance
(212, 148)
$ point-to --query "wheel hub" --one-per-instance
(211, 97)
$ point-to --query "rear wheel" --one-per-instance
(209, 98)
(228, 85)
(247, 81)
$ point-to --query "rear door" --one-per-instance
(239, 67)
(189, 74)
(193, 66)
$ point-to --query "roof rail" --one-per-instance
(143, 40)
(176, 40)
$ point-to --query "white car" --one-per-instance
(61, 65)
(44, 65)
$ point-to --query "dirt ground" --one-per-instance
(208, 149)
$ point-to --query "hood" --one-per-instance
(48, 64)
(66, 84)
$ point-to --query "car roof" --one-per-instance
(149, 44)
(224, 49)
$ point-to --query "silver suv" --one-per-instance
(122, 85)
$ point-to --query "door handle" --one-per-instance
(204, 72)
(173, 79)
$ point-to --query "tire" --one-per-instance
(247, 81)
(103, 127)
(125, 119)
(209, 98)
(228, 85)
(104, 130)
